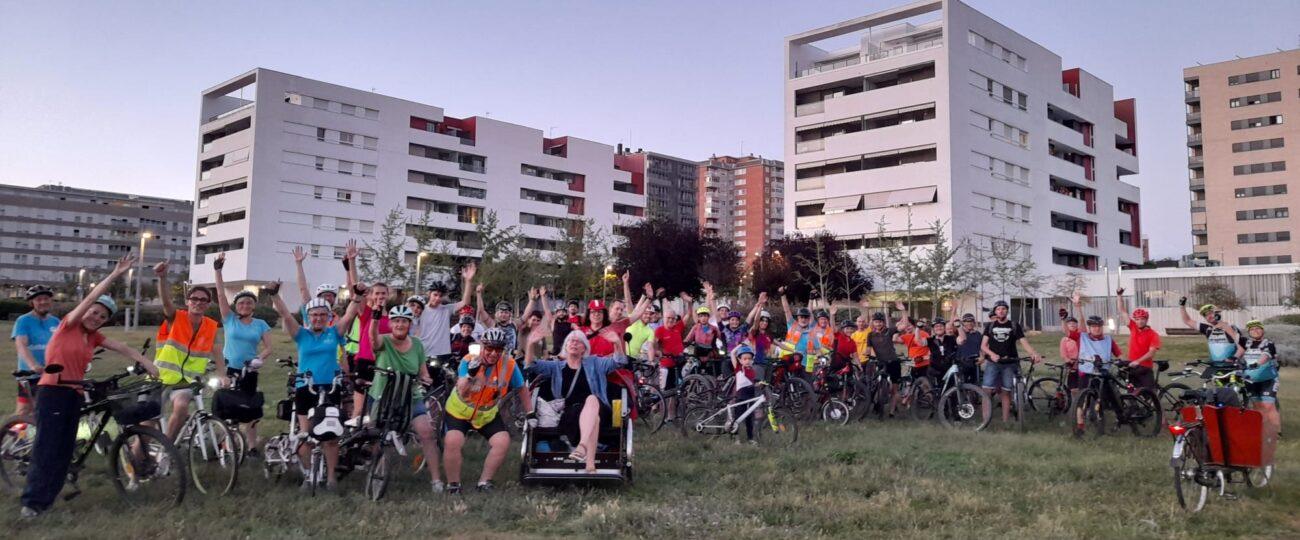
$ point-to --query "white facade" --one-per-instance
(286, 161)
(937, 110)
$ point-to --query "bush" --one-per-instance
(1286, 337)
(1290, 318)
(12, 308)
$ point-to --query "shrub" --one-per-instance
(1289, 318)
(1286, 337)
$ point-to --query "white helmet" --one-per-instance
(326, 288)
(401, 311)
(316, 303)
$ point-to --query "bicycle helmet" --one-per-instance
(1071, 319)
(326, 288)
(1001, 303)
(1254, 323)
(765, 315)
(108, 303)
(38, 290)
(401, 311)
(243, 294)
(1140, 313)
(505, 306)
(595, 305)
(940, 321)
(438, 286)
(803, 312)
(317, 303)
(878, 316)
(821, 313)
(702, 310)
(724, 308)
(493, 337)
(744, 350)
(467, 320)
(968, 317)
(1208, 308)
(417, 299)
(848, 324)
(735, 315)
(1094, 320)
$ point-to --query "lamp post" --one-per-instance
(81, 276)
(418, 259)
(604, 280)
(139, 276)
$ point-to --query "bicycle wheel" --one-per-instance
(1143, 413)
(1048, 396)
(17, 436)
(1171, 399)
(1094, 412)
(1191, 480)
(922, 404)
(145, 467)
(776, 426)
(1018, 405)
(966, 407)
(697, 390)
(835, 411)
(689, 422)
(651, 409)
(798, 396)
(1259, 476)
(378, 474)
(241, 441)
(211, 454)
(882, 399)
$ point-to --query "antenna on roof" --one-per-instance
(1238, 56)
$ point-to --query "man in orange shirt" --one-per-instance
(917, 342)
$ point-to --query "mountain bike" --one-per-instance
(1110, 399)
(835, 398)
(207, 442)
(1049, 395)
(956, 404)
(775, 425)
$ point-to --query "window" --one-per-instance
(368, 171)
(1254, 100)
(367, 199)
(367, 227)
(345, 167)
(1254, 77)
(319, 192)
(1257, 168)
(1260, 191)
(1262, 144)
(1262, 213)
(342, 224)
(345, 138)
(344, 196)
(1261, 121)
(320, 163)
(320, 134)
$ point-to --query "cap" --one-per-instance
(940, 321)
(968, 317)
(848, 324)
(765, 315)
(803, 312)
(1001, 303)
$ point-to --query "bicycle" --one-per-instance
(281, 451)
(836, 404)
(778, 424)
(650, 402)
(879, 390)
(1050, 395)
(206, 441)
(1197, 467)
(1139, 408)
(962, 404)
(1171, 395)
(377, 449)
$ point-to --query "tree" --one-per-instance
(582, 253)
(719, 263)
(940, 268)
(503, 265)
(1294, 298)
(809, 267)
(1212, 290)
(440, 261)
(385, 259)
(662, 252)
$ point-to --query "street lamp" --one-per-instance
(81, 276)
(418, 259)
(139, 276)
(604, 280)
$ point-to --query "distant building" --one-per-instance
(1241, 128)
(670, 183)
(50, 233)
(742, 200)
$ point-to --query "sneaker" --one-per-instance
(1079, 431)
(28, 512)
(437, 486)
(331, 486)
(353, 422)
(453, 488)
(753, 442)
(485, 487)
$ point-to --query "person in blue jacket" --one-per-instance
(581, 380)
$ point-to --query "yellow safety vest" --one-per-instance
(484, 404)
(184, 354)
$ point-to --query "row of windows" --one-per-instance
(462, 186)
(332, 136)
(126, 232)
(1000, 169)
(1262, 144)
(179, 259)
(1001, 208)
(1257, 76)
(1264, 259)
(1260, 191)
(1257, 168)
(331, 106)
(1258, 238)
(997, 51)
(72, 216)
(1262, 121)
(1256, 99)
(322, 193)
(1000, 130)
(999, 91)
(327, 164)
(1262, 213)
(328, 223)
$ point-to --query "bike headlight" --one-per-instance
(214, 383)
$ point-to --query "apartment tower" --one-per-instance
(742, 200)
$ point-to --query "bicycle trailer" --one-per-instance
(545, 455)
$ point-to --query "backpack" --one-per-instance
(325, 423)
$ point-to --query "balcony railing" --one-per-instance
(904, 49)
(1195, 161)
(1194, 139)
(1194, 118)
(1196, 184)
(831, 66)
(809, 146)
(1193, 94)
(471, 167)
(809, 108)
(1199, 228)
(810, 222)
(1198, 206)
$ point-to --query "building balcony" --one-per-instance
(1067, 170)
(810, 108)
(1194, 118)
(822, 67)
(1196, 184)
(1199, 229)
(1200, 251)
(1066, 136)
(809, 146)
(804, 223)
(1070, 240)
(1192, 95)
(1198, 206)
(1069, 205)
(1196, 162)
(898, 50)
(1194, 139)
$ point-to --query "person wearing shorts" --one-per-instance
(1000, 338)
(482, 383)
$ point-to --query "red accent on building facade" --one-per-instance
(577, 205)
(1090, 200)
(579, 183)
(1070, 78)
(457, 127)
(1135, 221)
(1126, 110)
(635, 164)
(558, 146)
(1087, 134)
(1088, 171)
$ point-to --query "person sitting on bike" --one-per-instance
(482, 383)
(703, 335)
(802, 336)
(461, 341)
(1221, 336)
(184, 353)
(843, 348)
(747, 379)
(581, 379)
(943, 347)
(318, 344)
(970, 341)
(405, 354)
(32, 332)
(1258, 357)
(1143, 343)
(58, 406)
(1000, 337)
(246, 341)
(880, 344)
(1092, 345)
(668, 346)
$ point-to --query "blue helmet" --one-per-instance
(108, 303)
(743, 350)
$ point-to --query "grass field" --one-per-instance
(872, 479)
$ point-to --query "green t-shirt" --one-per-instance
(389, 357)
(640, 334)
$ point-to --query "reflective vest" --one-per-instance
(354, 338)
(817, 341)
(482, 406)
(183, 354)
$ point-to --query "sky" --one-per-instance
(106, 94)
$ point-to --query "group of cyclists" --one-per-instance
(494, 353)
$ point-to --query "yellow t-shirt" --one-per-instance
(860, 339)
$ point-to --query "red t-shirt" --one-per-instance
(72, 347)
(364, 352)
(844, 349)
(670, 343)
(599, 345)
(1140, 341)
(920, 354)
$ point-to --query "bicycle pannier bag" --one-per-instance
(238, 406)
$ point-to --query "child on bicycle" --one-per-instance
(742, 362)
(1258, 356)
(1092, 345)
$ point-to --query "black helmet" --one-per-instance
(878, 316)
(847, 324)
(505, 306)
(1094, 321)
(38, 290)
(940, 321)
(803, 312)
(822, 313)
(969, 317)
(1001, 303)
(1072, 319)
(467, 320)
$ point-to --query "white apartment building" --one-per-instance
(934, 109)
(287, 161)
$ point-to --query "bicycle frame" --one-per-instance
(751, 404)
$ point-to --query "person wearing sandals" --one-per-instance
(582, 381)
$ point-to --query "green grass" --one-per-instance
(872, 479)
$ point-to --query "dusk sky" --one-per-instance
(106, 94)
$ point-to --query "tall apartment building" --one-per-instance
(1237, 154)
(49, 234)
(935, 111)
(287, 161)
(742, 201)
(669, 183)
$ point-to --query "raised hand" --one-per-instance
(532, 293)
(1074, 298)
(299, 254)
(898, 304)
(541, 291)
(160, 269)
(125, 263)
(1119, 291)
(220, 261)
(627, 276)
(659, 292)
(273, 288)
(478, 289)
(468, 271)
(649, 290)
(762, 297)
(781, 290)
(359, 289)
(351, 253)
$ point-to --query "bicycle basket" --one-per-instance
(128, 409)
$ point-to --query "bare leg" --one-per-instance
(180, 413)
(250, 435)
(497, 447)
(331, 460)
(1006, 406)
(304, 450)
(451, 456)
(358, 405)
(424, 430)
(588, 426)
